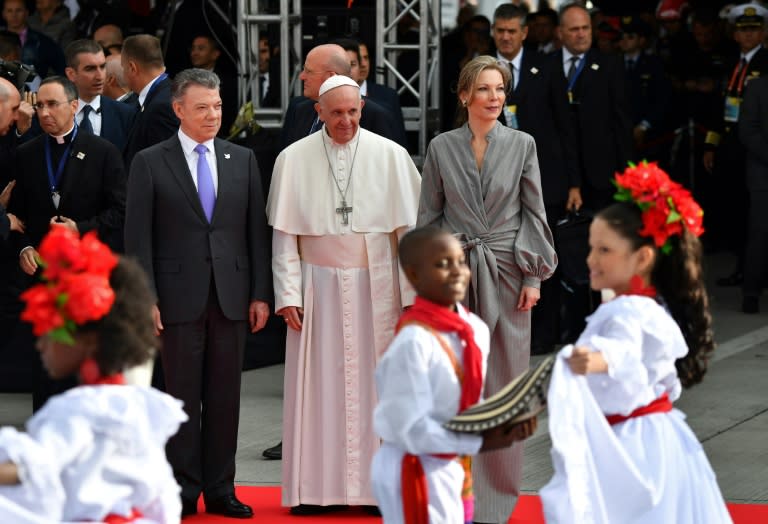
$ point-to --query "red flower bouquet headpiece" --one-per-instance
(75, 288)
(667, 207)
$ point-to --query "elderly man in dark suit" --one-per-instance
(63, 177)
(301, 119)
(96, 114)
(753, 132)
(195, 220)
(144, 71)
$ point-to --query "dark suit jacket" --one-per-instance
(648, 92)
(388, 98)
(601, 117)
(166, 230)
(92, 189)
(116, 121)
(5, 223)
(301, 114)
(44, 53)
(756, 68)
(154, 123)
(753, 133)
(542, 112)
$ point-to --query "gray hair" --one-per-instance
(193, 76)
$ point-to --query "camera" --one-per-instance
(17, 73)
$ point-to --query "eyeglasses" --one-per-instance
(49, 105)
(310, 72)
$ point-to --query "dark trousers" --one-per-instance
(756, 254)
(545, 317)
(202, 362)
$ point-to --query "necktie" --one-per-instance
(511, 76)
(85, 123)
(630, 65)
(316, 125)
(572, 69)
(205, 182)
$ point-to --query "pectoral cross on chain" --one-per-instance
(344, 211)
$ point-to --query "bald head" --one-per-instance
(322, 62)
(9, 105)
(115, 85)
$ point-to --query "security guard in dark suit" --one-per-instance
(648, 91)
(724, 153)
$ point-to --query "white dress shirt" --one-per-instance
(188, 146)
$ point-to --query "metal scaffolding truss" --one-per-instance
(423, 83)
(392, 46)
(251, 18)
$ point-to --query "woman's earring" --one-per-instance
(464, 103)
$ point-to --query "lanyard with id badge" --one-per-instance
(53, 178)
(733, 103)
(572, 80)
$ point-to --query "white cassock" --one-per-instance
(347, 279)
(647, 469)
(94, 451)
(418, 392)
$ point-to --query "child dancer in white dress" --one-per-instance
(433, 369)
(95, 453)
(621, 452)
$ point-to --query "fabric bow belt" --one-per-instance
(484, 287)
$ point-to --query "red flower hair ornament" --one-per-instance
(75, 288)
(666, 206)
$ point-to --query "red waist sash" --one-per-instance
(660, 405)
(118, 519)
(415, 490)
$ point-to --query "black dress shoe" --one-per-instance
(273, 453)
(229, 506)
(188, 507)
(734, 279)
(314, 509)
(750, 305)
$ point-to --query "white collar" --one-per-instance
(95, 104)
(60, 138)
(145, 90)
(750, 54)
(567, 57)
(188, 145)
(517, 61)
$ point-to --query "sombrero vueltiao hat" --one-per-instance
(521, 399)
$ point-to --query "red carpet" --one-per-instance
(266, 506)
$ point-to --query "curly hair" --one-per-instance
(678, 278)
(126, 334)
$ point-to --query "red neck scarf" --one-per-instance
(638, 287)
(443, 319)
(90, 375)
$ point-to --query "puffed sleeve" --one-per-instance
(432, 199)
(534, 245)
(40, 458)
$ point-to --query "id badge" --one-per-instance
(732, 105)
(56, 197)
(510, 115)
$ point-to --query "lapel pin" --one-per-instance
(534, 70)
(226, 155)
(595, 67)
(80, 155)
